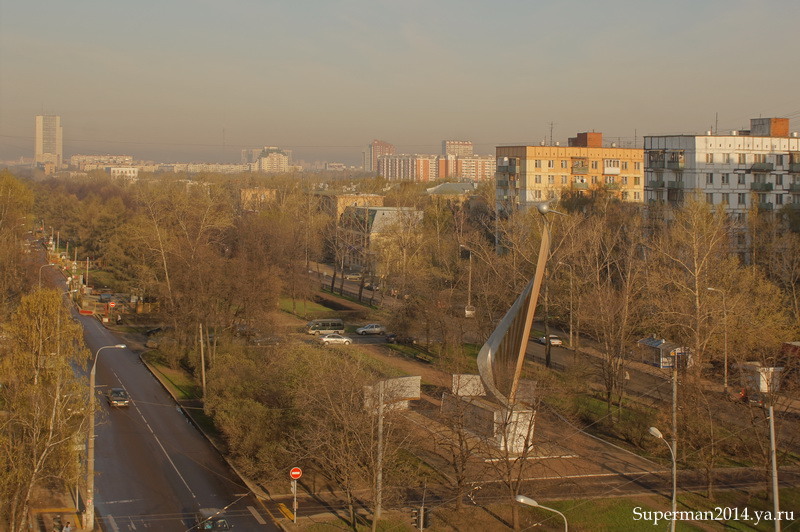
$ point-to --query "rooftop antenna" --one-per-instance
(551, 133)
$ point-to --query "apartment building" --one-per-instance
(364, 229)
(375, 149)
(409, 167)
(99, 162)
(744, 169)
(527, 175)
(458, 148)
(48, 141)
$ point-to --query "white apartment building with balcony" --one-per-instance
(759, 167)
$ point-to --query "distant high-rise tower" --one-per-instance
(459, 148)
(375, 150)
(48, 147)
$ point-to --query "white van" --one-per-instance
(325, 326)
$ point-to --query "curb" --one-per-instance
(260, 494)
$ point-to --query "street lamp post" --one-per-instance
(89, 518)
(657, 433)
(40, 271)
(725, 325)
(522, 499)
(571, 344)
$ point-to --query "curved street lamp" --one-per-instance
(40, 271)
(90, 447)
(657, 433)
(522, 499)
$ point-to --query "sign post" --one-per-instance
(295, 473)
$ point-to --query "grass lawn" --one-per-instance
(302, 308)
(181, 384)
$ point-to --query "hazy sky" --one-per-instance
(175, 80)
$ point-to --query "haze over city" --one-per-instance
(202, 80)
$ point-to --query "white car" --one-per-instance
(372, 328)
(334, 339)
(554, 340)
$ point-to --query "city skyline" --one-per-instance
(174, 83)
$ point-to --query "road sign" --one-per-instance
(111, 304)
(295, 473)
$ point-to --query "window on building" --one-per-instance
(741, 179)
(726, 158)
(609, 180)
(710, 198)
(759, 158)
(624, 180)
(537, 163)
(564, 164)
(563, 180)
(779, 180)
(726, 199)
(625, 195)
(638, 195)
(742, 158)
(624, 165)
(779, 160)
(709, 158)
(551, 194)
(637, 180)
(594, 179)
(537, 194)
(551, 179)
(778, 199)
(709, 179)
(742, 200)
(551, 164)
(594, 165)
(763, 198)
(726, 179)
(637, 166)
(537, 179)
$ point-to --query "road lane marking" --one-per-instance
(112, 523)
(257, 515)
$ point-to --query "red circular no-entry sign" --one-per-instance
(112, 304)
(295, 473)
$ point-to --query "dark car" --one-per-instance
(211, 519)
(394, 338)
(118, 397)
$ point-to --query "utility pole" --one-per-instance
(776, 506)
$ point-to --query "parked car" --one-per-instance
(211, 519)
(335, 339)
(554, 340)
(352, 276)
(372, 286)
(118, 397)
(394, 338)
(372, 328)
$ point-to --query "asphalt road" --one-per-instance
(154, 469)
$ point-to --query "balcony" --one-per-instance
(580, 186)
(762, 167)
(675, 184)
(761, 187)
(611, 170)
(580, 170)
(656, 184)
(675, 165)
(656, 165)
(794, 187)
(765, 206)
(794, 167)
